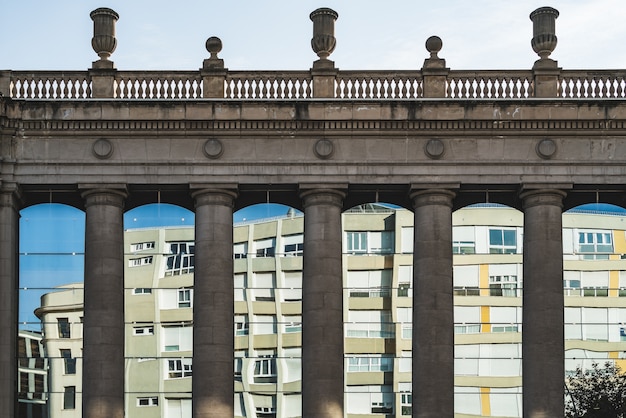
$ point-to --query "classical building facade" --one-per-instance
(324, 140)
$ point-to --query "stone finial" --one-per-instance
(103, 41)
(433, 46)
(214, 46)
(323, 41)
(544, 33)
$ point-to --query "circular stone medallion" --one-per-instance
(213, 148)
(434, 149)
(546, 148)
(102, 148)
(324, 149)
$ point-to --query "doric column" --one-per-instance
(433, 307)
(9, 224)
(214, 305)
(542, 332)
(103, 333)
(322, 307)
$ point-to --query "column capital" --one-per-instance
(214, 194)
(11, 195)
(103, 194)
(425, 197)
(540, 197)
(320, 195)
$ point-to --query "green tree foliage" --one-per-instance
(598, 392)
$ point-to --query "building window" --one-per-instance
(239, 356)
(571, 287)
(181, 258)
(406, 403)
(503, 285)
(64, 328)
(467, 329)
(369, 283)
(145, 330)
(142, 291)
(463, 247)
(150, 401)
(69, 362)
(137, 262)
(293, 245)
(263, 287)
(595, 245)
(177, 338)
(265, 247)
(240, 250)
(370, 242)
(502, 241)
(370, 364)
(265, 370)
(292, 323)
(185, 297)
(356, 242)
(241, 325)
(69, 397)
(266, 412)
(370, 324)
(141, 246)
(179, 368)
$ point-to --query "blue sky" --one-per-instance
(275, 34)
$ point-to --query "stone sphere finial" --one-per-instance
(103, 41)
(323, 41)
(434, 45)
(214, 46)
(544, 31)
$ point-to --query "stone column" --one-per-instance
(543, 347)
(214, 305)
(103, 329)
(9, 224)
(322, 307)
(433, 307)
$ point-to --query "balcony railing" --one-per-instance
(300, 85)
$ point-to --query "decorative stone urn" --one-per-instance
(323, 41)
(103, 41)
(544, 32)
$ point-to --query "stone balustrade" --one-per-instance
(296, 85)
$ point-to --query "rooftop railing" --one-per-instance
(323, 80)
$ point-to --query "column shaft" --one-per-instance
(9, 224)
(213, 307)
(433, 307)
(542, 333)
(322, 307)
(103, 335)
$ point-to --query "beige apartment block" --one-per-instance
(377, 284)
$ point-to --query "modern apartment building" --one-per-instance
(377, 281)
(32, 378)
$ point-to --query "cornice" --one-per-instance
(447, 127)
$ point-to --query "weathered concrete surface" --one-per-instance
(103, 331)
(543, 305)
(433, 307)
(214, 306)
(322, 307)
